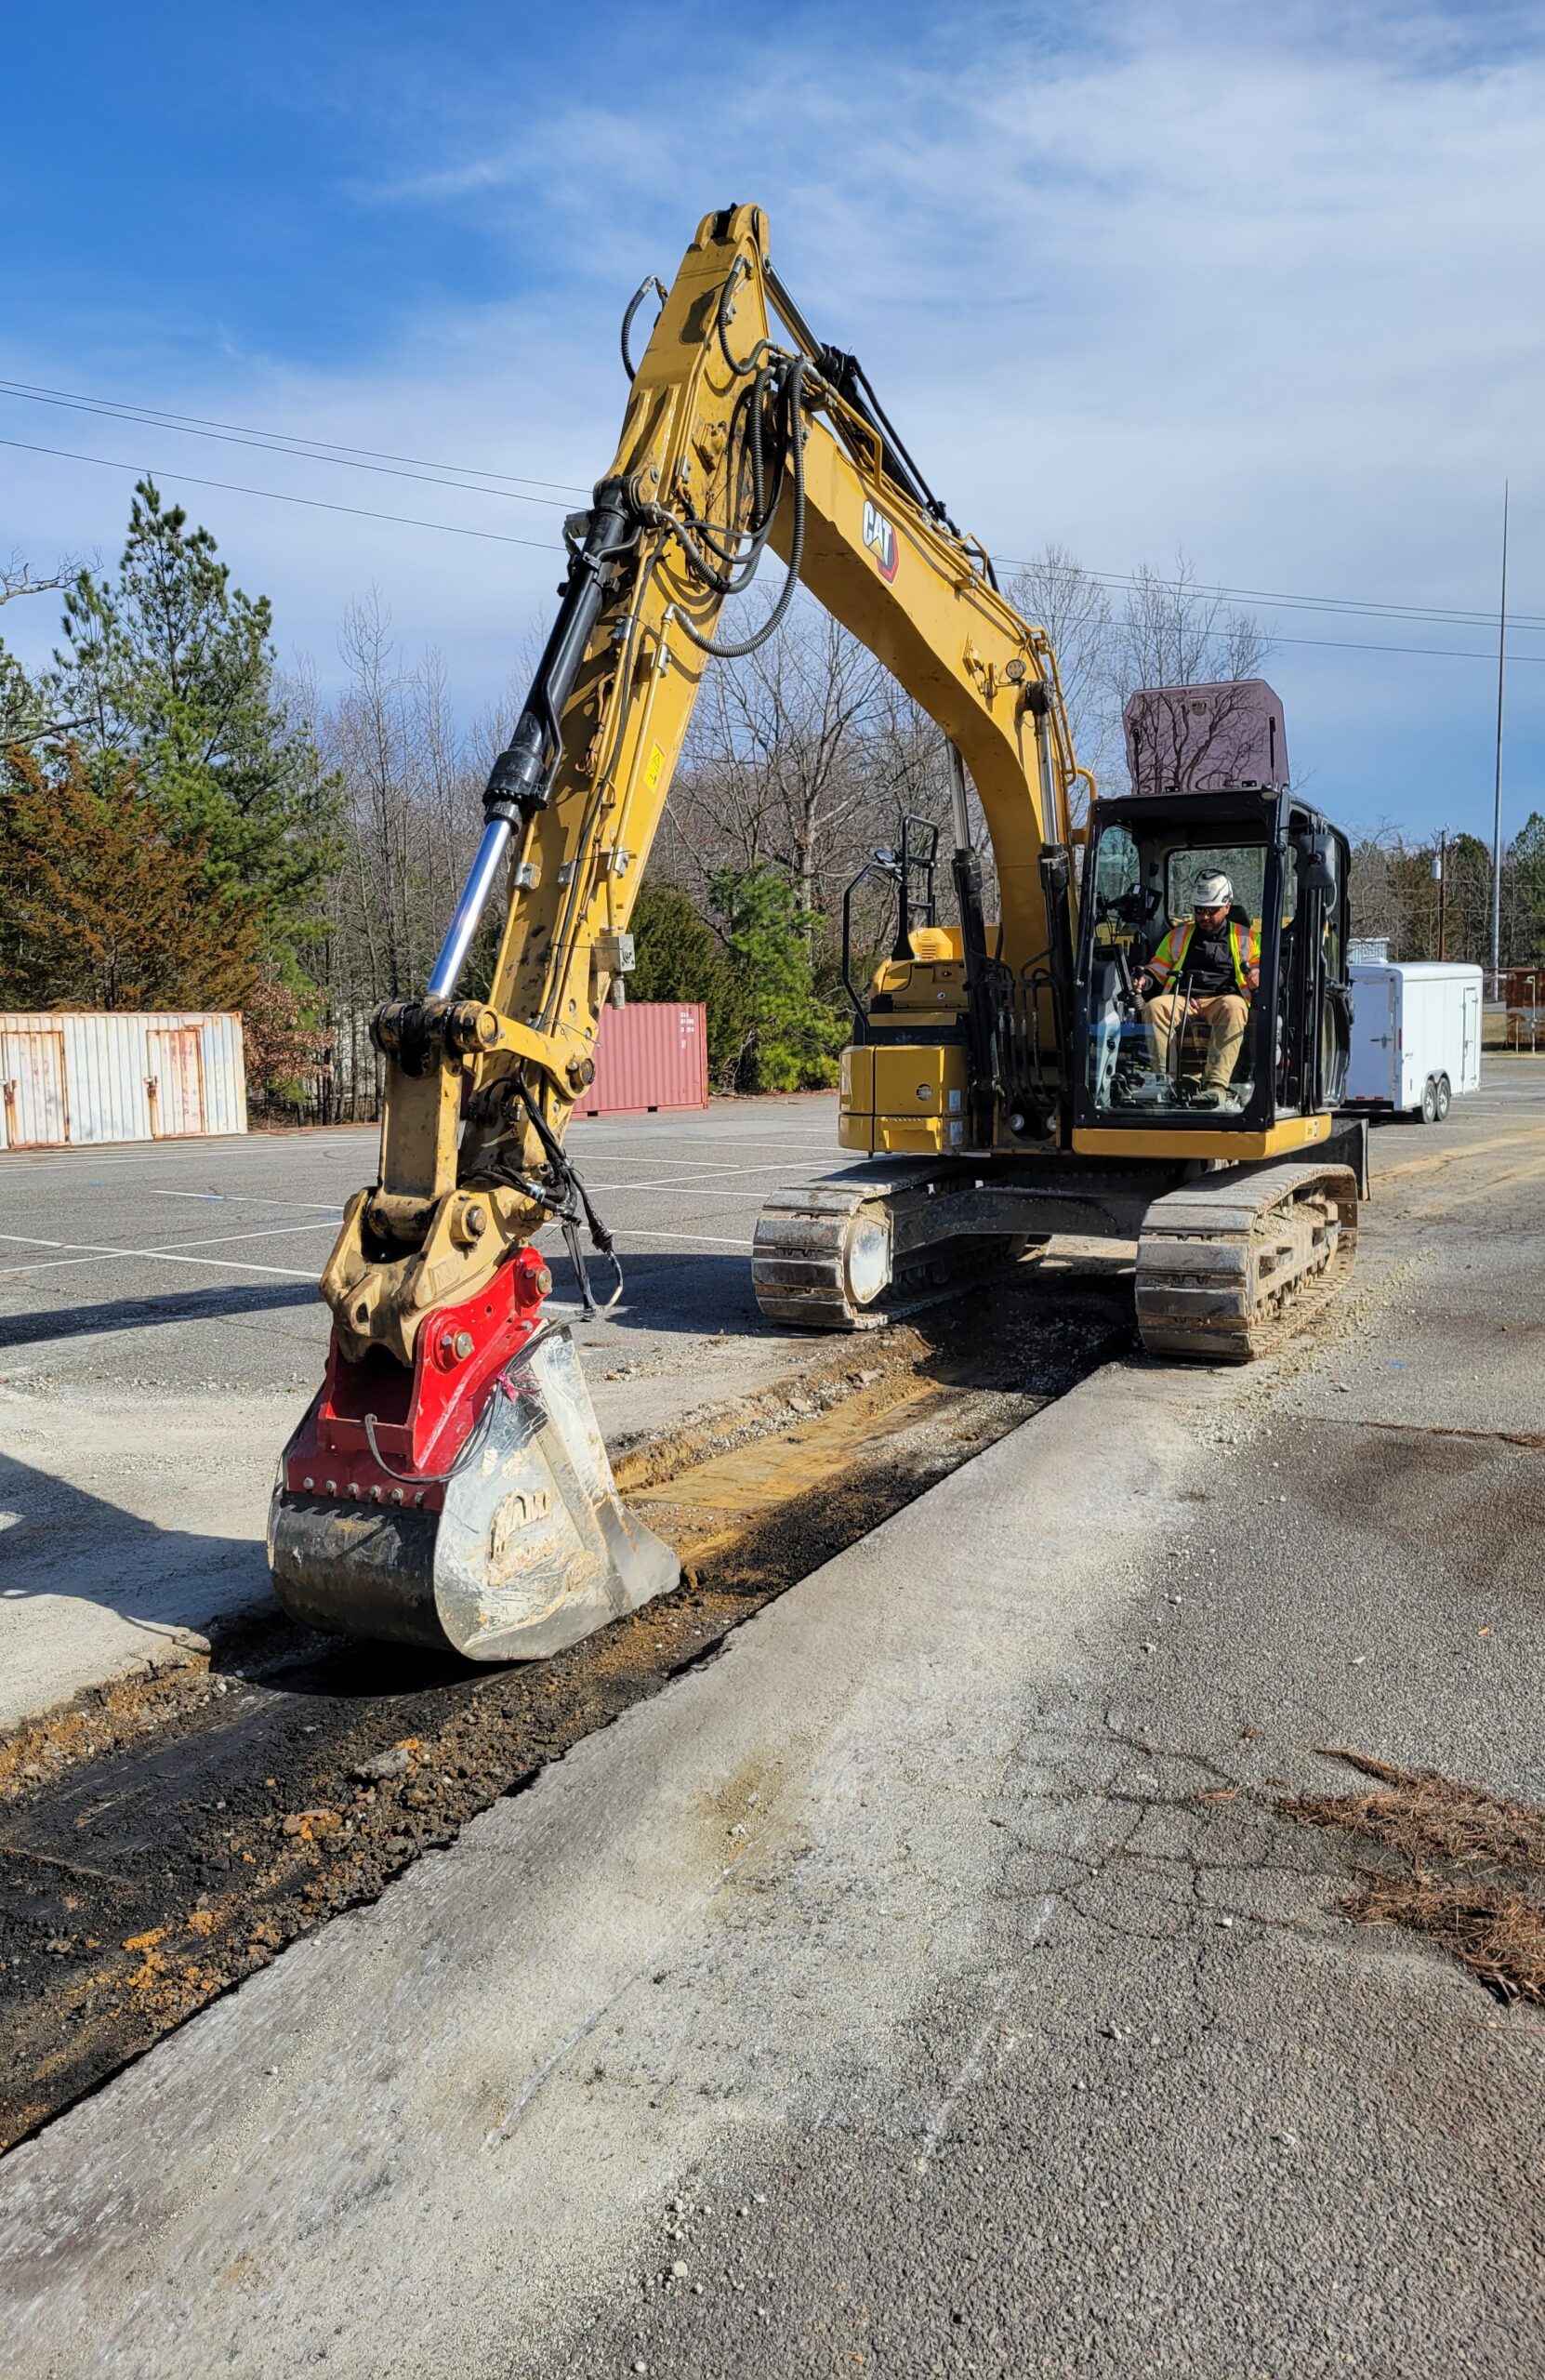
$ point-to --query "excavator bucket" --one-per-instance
(520, 1548)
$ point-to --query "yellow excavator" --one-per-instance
(1005, 1082)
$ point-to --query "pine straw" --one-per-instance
(1468, 1871)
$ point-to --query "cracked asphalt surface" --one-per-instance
(928, 1983)
(1172, 2114)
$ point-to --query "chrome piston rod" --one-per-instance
(522, 779)
(469, 909)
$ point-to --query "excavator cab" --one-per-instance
(1288, 869)
(1193, 813)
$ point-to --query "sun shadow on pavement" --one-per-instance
(672, 1291)
(680, 1290)
(137, 1314)
(61, 1543)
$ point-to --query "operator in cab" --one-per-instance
(1207, 969)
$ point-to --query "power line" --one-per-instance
(538, 545)
(1348, 644)
(344, 455)
(144, 419)
(279, 441)
(1420, 612)
(1427, 613)
(276, 495)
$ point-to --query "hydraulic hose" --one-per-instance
(650, 282)
(572, 1202)
(791, 407)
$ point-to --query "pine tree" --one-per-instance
(174, 668)
(680, 956)
(791, 1038)
(23, 713)
(103, 908)
(1525, 893)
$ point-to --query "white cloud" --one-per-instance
(1267, 288)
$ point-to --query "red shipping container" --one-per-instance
(650, 1054)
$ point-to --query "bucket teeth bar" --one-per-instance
(1225, 1273)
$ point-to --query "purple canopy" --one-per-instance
(1224, 738)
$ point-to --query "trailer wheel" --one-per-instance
(1428, 1102)
(1446, 1097)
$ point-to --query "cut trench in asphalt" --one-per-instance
(161, 1840)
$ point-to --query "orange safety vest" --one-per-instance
(1169, 957)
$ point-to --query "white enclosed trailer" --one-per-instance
(1415, 1037)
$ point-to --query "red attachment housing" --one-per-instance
(421, 1419)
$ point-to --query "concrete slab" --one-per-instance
(495, 2068)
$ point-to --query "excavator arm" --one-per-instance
(449, 1483)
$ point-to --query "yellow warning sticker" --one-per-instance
(653, 767)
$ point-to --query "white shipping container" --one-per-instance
(1415, 1037)
(76, 1078)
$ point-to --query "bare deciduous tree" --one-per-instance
(1174, 631)
(24, 709)
(1055, 593)
(409, 781)
(804, 754)
(18, 577)
(779, 764)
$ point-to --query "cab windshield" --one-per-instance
(1176, 1037)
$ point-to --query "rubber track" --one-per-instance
(1228, 1269)
(799, 1253)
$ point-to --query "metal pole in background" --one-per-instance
(1443, 893)
(1496, 816)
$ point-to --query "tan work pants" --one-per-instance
(1225, 1014)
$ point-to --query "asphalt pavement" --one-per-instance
(932, 1982)
(160, 1333)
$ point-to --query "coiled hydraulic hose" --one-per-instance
(722, 560)
(790, 391)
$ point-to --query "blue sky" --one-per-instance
(1265, 285)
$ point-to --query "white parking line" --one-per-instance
(252, 1150)
(223, 1239)
(160, 1256)
(46, 1265)
(246, 1198)
(708, 1175)
(687, 1238)
(186, 1156)
(709, 1139)
(212, 1239)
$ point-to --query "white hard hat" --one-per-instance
(1211, 890)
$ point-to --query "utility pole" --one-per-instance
(1440, 870)
(1496, 815)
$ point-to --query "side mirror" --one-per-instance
(1315, 872)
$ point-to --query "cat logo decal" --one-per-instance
(881, 538)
